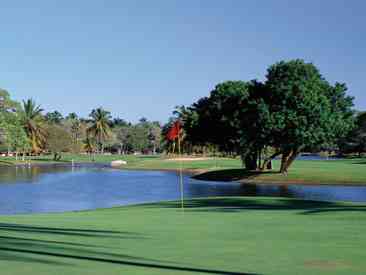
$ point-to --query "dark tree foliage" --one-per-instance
(118, 122)
(305, 109)
(72, 116)
(54, 117)
(296, 108)
(233, 118)
(355, 141)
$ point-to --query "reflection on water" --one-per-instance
(63, 188)
(31, 173)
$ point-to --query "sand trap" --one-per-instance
(187, 159)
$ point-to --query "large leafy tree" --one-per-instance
(14, 137)
(34, 124)
(233, 117)
(355, 141)
(99, 128)
(296, 108)
(209, 119)
(360, 133)
(305, 109)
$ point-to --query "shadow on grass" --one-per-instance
(6, 163)
(231, 175)
(50, 160)
(53, 252)
(304, 207)
(360, 162)
(63, 231)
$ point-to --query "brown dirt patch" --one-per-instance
(329, 265)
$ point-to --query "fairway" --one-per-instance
(212, 236)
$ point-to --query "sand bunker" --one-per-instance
(187, 159)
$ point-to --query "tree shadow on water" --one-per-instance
(53, 252)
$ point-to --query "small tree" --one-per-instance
(13, 133)
(100, 128)
(155, 136)
(54, 117)
(58, 141)
(122, 134)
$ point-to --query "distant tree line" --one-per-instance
(26, 129)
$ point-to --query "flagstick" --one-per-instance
(180, 175)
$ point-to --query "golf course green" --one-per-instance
(211, 236)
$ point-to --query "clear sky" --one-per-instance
(141, 58)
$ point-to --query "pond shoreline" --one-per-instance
(197, 173)
(194, 173)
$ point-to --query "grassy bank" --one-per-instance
(212, 236)
(347, 171)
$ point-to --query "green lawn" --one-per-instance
(347, 171)
(212, 236)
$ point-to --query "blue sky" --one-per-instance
(141, 58)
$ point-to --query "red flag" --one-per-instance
(174, 131)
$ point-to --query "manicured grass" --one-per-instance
(348, 171)
(345, 171)
(212, 236)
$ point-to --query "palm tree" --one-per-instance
(100, 128)
(33, 123)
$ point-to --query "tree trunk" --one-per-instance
(259, 158)
(268, 161)
(285, 157)
(250, 161)
(173, 148)
(291, 159)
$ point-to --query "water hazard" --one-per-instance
(58, 188)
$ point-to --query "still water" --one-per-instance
(58, 188)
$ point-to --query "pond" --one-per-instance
(58, 188)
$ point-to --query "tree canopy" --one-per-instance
(295, 108)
